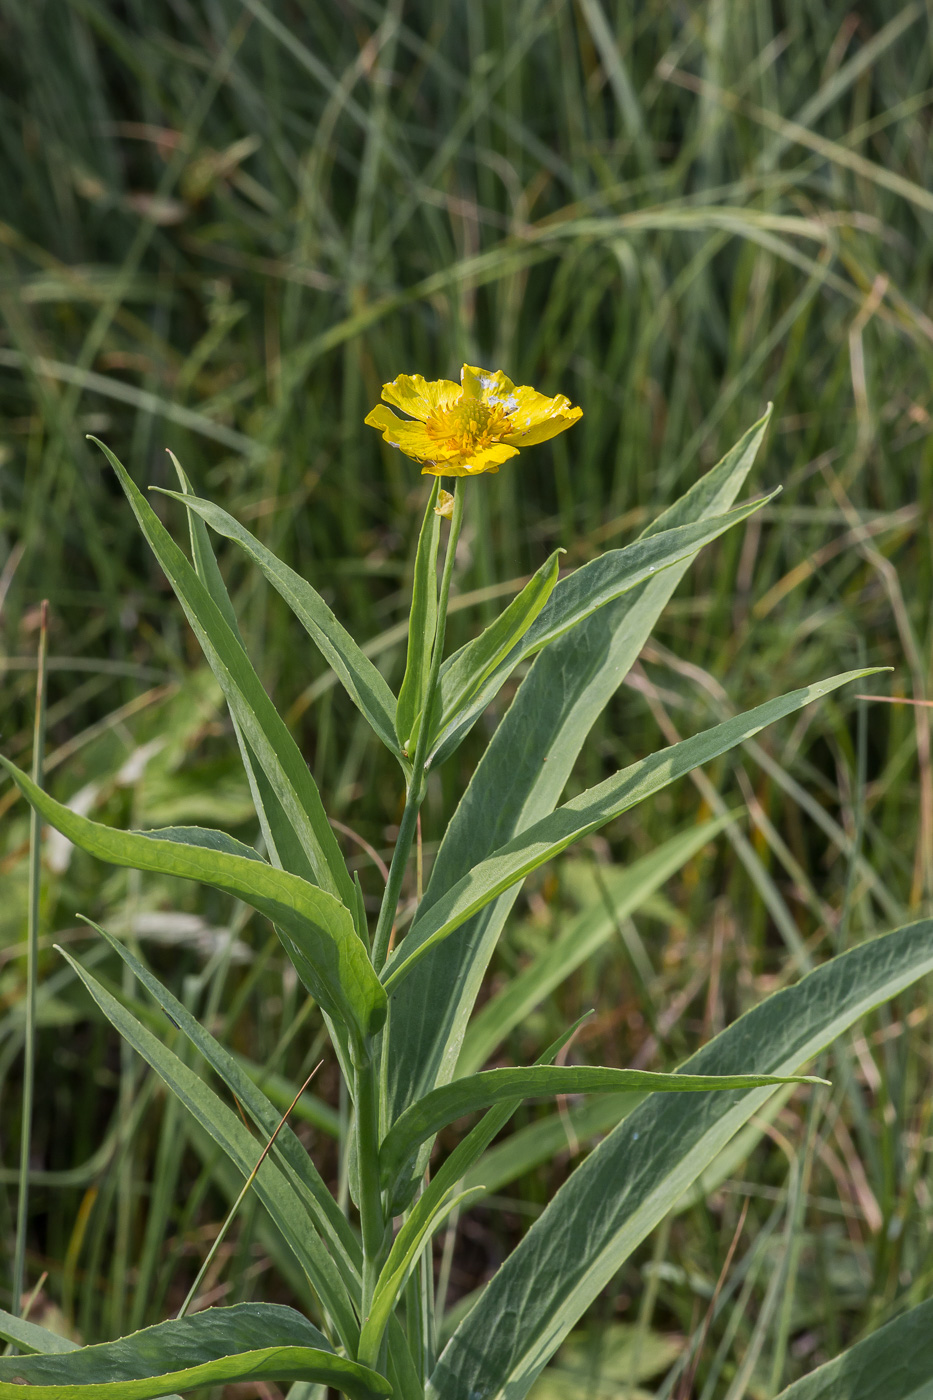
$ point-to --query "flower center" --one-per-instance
(469, 426)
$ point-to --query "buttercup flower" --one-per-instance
(468, 428)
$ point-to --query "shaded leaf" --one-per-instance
(221, 1346)
(894, 1363)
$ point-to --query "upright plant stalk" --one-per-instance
(32, 958)
(416, 785)
(373, 1221)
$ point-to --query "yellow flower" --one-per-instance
(468, 428)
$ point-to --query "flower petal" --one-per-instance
(492, 386)
(412, 438)
(489, 459)
(536, 418)
(420, 397)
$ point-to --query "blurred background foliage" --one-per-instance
(223, 225)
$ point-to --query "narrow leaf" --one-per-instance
(283, 844)
(463, 675)
(583, 593)
(438, 1198)
(29, 1336)
(362, 681)
(587, 813)
(253, 712)
(422, 623)
(423, 1119)
(625, 890)
(399, 1266)
(292, 1154)
(202, 554)
(230, 1133)
(318, 933)
(894, 1363)
(633, 1178)
(221, 1346)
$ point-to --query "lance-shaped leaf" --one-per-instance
(422, 624)
(317, 931)
(574, 599)
(292, 1154)
(29, 1336)
(274, 750)
(894, 1363)
(220, 1346)
(274, 1187)
(423, 1119)
(623, 891)
(362, 681)
(587, 813)
(634, 1177)
(520, 778)
(440, 1196)
(463, 676)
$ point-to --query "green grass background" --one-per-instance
(222, 226)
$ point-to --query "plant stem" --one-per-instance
(32, 955)
(418, 783)
(372, 1216)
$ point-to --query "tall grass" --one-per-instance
(223, 226)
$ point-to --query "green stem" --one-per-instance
(418, 781)
(372, 1215)
(32, 956)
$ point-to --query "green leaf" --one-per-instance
(263, 729)
(318, 933)
(221, 1346)
(578, 596)
(439, 1197)
(205, 837)
(540, 1141)
(584, 814)
(894, 1363)
(565, 690)
(400, 1264)
(463, 675)
(359, 677)
(282, 843)
(423, 1119)
(624, 891)
(636, 1174)
(29, 1336)
(202, 554)
(273, 1187)
(422, 624)
(290, 1152)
